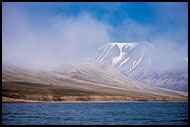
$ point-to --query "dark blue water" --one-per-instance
(143, 113)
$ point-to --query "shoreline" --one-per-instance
(12, 100)
(95, 102)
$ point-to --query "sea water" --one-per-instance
(130, 113)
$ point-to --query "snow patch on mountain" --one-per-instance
(105, 54)
(124, 61)
(137, 61)
(121, 46)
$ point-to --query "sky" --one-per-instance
(50, 34)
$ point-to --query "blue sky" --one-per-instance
(49, 26)
(162, 16)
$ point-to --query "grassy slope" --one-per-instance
(23, 84)
(44, 92)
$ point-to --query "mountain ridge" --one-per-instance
(138, 60)
(84, 81)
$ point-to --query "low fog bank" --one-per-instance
(63, 40)
(170, 56)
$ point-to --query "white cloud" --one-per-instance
(66, 39)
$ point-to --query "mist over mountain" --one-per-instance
(89, 49)
(145, 63)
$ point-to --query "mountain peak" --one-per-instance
(130, 44)
(121, 45)
(139, 61)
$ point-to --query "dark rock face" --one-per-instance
(139, 61)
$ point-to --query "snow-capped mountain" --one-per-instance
(129, 58)
(138, 61)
